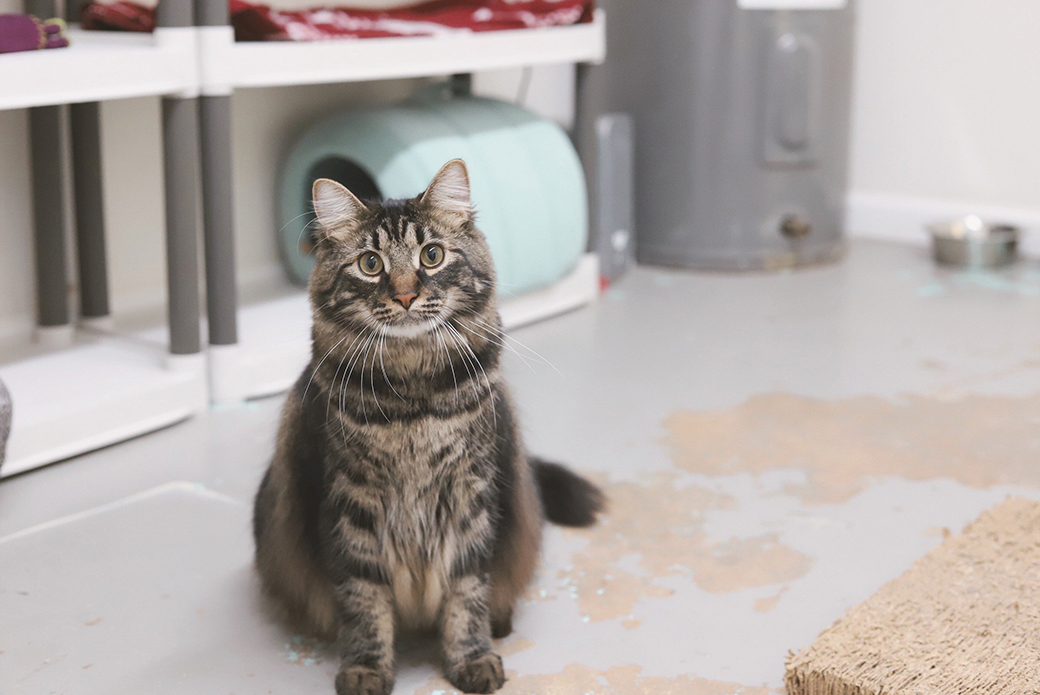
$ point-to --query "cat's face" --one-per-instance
(401, 268)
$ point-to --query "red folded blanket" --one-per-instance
(256, 22)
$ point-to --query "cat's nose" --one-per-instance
(405, 299)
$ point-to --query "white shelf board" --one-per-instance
(275, 336)
(98, 391)
(100, 65)
(227, 64)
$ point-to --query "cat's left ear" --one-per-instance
(449, 190)
(336, 207)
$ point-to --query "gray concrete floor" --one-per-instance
(775, 446)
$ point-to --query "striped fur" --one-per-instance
(400, 495)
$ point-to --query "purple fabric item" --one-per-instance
(23, 32)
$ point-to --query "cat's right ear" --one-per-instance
(336, 207)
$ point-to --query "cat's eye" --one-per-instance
(432, 255)
(370, 263)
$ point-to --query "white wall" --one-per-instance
(945, 114)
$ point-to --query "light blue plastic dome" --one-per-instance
(527, 182)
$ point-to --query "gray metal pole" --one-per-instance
(90, 216)
(180, 154)
(462, 84)
(45, 136)
(218, 219)
(218, 198)
(44, 9)
(72, 10)
(181, 167)
(587, 108)
(175, 13)
(211, 13)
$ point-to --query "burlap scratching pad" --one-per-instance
(965, 619)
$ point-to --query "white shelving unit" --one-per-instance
(101, 65)
(226, 64)
(97, 389)
(77, 390)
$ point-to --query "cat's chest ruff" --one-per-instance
(428, 524)
(421, 541)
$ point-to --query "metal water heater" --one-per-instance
(741, 112)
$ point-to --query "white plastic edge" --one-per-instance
(182, 42)
(54, 336)
(195, 364)
(224, 381)
(576, 289)
(225, 64)
(97, 324)
(213, 45)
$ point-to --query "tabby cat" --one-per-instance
(400, 496)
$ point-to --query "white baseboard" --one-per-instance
(903, 218)
(578, 288)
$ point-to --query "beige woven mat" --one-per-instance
(965, 619)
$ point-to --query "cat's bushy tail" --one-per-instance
(567, 498)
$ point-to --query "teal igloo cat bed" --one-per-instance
(527, 182)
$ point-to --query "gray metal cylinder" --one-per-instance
(218, 219)
(181, 180)
(741, 120)
(85, 120)
(48, 186)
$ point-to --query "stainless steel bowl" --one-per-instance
(971, 242)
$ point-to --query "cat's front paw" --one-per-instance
(483, 674)
(358, 680)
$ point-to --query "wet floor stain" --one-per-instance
(307, 651)
(619, 680)
(1012, 282)
(841, 445)
(654, 529)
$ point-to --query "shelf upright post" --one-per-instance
(587, 108)
(462, 84)
(181, 169)
(48, 186)
(85, 125)
(72, 10)
(85, 120)
(217, 194)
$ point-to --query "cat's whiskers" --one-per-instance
(447, 356)
(382, 365)
(371, 376)
(333, 385)
(500, 344)
(487, 382)
(342, 386)
(305, 227)
(361, 375)
(492, 339)
(321, 362)
(499, 332)
(471, 369)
